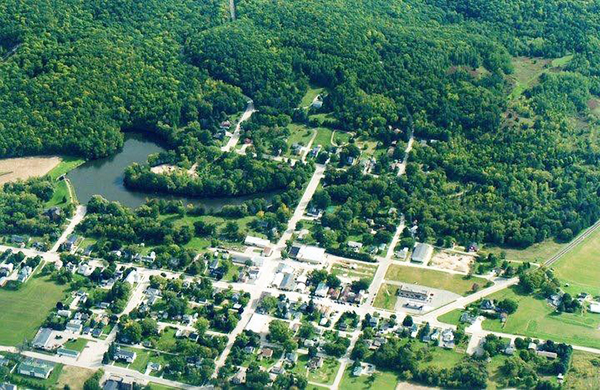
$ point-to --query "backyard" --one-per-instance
(382, 380)
(325, 374)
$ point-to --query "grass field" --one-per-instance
(143, 358)
(299, 134)
(584, 372)
(386, 297)
(435, 279)
(67, 164)
(310, 95)
(156, 386)
(356, 271)
(341, 138)
(61, 196)
(325, 374)
(76, 345)
(528, 70)
(323, 137)
(74, 377)
(536, 318)
(441, 358)
(536, 253)
(452, 318)
(24, 310)
(380, 380)
(580, 267)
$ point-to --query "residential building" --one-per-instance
(36, 368)
(257, 242)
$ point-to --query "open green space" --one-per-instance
(61, 196)
(156, 386)
(438, 357)
(436, 279)
(323, 137)
(299, 134)
(536, 253)
(25, 309)
(354, 270)
(536, 318)
(580, 267)
(341, 138)
(325, 375)
(527, 71)
(386, 297)
(144, 357)
(310, 95)
(584, 372)
(381, 380)
(67, 164)
(76, 345)
(452, 318)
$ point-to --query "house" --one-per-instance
(132, 277)
(487, 304)
(373, 322)
(547, 354)
(414, 330)
(594, 307)
(240, 377)
(422, 253)
(257, 242)
(413, 293)
(287, 283)
(42, 338)
(125, 355)
(19, 240)
(315, 363)
(447, 340)
(153, 366)
(54, 213)
(24, 274)
(6, 268)
(509, 350)
(355, 246)
(64, 313)
(85, 269)
(277, 370)
(532, 346)
(249, 349)
(358, 371)
(35, 368)
(468, 318)
(266, 353)
(321, 290)
(402, 254)
(69, 244)
(74, 326)
(291, 357)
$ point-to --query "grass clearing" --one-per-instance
(66, 164)
(382, 380)
(386, 297)
(452, 318)
(61, 196)
(536, 253)
(74, 377)
(310, 95)
(438, 357)
(580, 267)
(536, 318)
(76, 345)
(323, 137)
(24, 310)
(325, 375)
(584, 372)
(299, 134)
(528, 70)
(436, 279)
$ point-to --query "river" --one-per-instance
(105, 177)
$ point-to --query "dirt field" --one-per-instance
(74, 377)
(168, 169)
(452, 261)
(12, 169)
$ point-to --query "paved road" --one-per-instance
(409, 145)
(236, 133)
(232, 9)
(385, 262)
(77, 218)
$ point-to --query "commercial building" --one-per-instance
(422, 253)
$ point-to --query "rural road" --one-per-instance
(77, 218)
(236, 134)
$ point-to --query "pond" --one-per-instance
(105, 177)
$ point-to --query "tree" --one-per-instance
(508, 305)
(407, 321)
(279, 331)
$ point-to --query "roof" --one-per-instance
(422, 253)
(42, 337)
(312, 254)
(36, 365)
(257, 241)
(257, 323)
(595, 307)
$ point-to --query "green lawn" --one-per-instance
(536, 253)
(436, 279)
(299, 134)
(441, 358)
(386, 297)
(380, 380)
(144, 357)
(310, 95)
(325, 375)
(61, 196)
(24, 310)
(361, 272)
(156, 386)
(340, 137)
(76, 345)
(580, 267)
(452, 318)
(323, 137)
(536, 318)
(67, 164)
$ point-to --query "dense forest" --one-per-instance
(490, 164)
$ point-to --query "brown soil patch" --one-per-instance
(12, 169)
(74, 377)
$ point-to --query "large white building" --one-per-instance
(307, 253)
(257, 242)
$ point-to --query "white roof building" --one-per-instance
(595, 307)
(310, 254)
(258, 323)
(257, 241)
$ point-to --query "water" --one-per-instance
(105, 177)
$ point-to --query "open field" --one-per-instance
(536, 253)
(536, 318)
(76, 345)
(380, 380)
(74, 377)
(24, 310)
(323, 137)
(325, 374)
(580, 267)
(299, 134)
(353, 270)
(67, 163)
(341, 138)
(12, 169)
(310, 95)
(386, 297)
(584, 372)
(441, 358)
(528, 70)
(452, 318)
(61, 196)
(437, 279)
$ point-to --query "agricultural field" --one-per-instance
(536, 318)
(12, 169)
(382, 380)
(580, 267)
(25, 309)
(436, 279)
